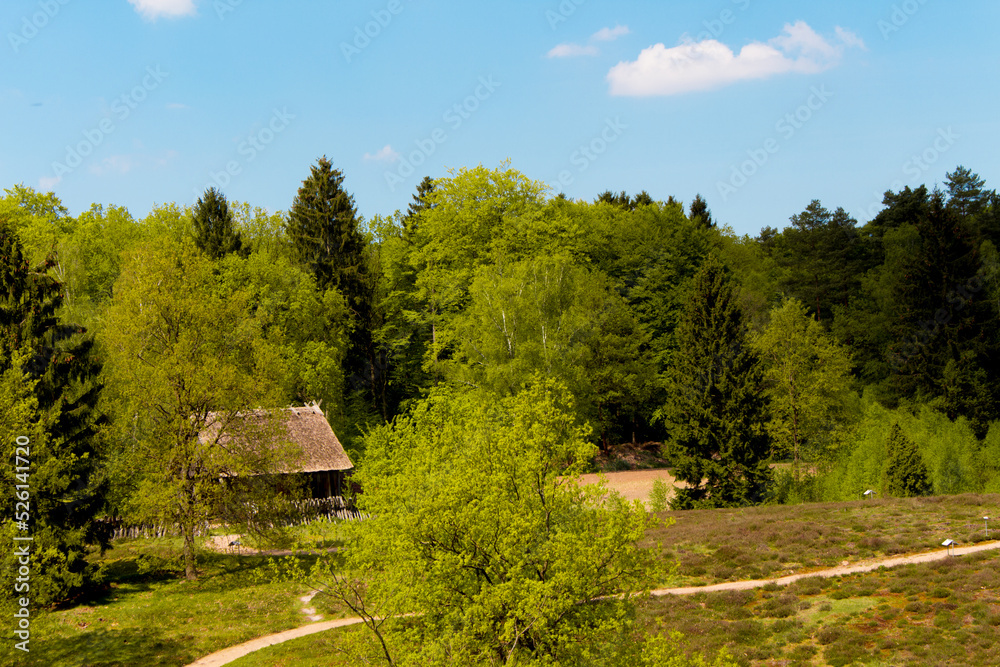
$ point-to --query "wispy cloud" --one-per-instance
(113, 164)
(708, 65)
(385, 154)
(609, 34)
(46, 183)
(570, 50)
(177, 105)
(154, 9)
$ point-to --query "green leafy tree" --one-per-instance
(808, 383)
(551, 317)
(905, 471)
(214, 228)
(481, 530)
(716, 407)
(473, 218)
(305, 327)
(182, 358)
(50, 390)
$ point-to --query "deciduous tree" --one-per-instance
(181, 358)
(480, 527)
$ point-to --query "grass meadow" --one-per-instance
(946, 612)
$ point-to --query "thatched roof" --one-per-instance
(306, 427)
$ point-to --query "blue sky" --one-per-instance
(759, 106)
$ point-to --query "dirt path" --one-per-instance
(864, 566)
(232, 653)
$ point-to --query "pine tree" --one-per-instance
(214, 231)
(905, 471)
(55, 361)
(419, 204)
(717, 407)
(323, 226)
(965, 191)
(642, 199)
(699, 211)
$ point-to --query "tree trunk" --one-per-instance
(187, 530)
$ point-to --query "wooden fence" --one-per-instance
(298, 512)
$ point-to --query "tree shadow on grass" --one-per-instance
(109, 647)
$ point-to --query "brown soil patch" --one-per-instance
(632, 484)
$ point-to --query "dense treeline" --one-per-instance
(827, 343)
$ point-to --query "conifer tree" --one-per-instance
(50, 377)
(699, 211)
(905, 471)
(419, 204)
(323, 226)
(716, 409)
(214, 232)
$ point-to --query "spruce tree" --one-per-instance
(214, 228)
(716, 409)
(323, 226)
(699, 211)
(56, 362)
(418, 205)
(905, 471)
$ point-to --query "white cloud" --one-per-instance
(693, 66)
(154, 9)
(46, 183)
(385, 154)
(609, 34)
(177, 105)
(570, 50)
(120, 164)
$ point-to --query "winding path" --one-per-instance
(232, 653)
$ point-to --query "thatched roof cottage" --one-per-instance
(323, 464)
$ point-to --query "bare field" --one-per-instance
(632, 484)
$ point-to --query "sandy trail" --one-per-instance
(230, 654)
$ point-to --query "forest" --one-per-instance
(857, 356)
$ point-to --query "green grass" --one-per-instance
(149, 614)
(324, 649)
